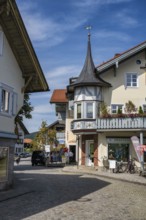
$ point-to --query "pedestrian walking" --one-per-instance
(18, 160)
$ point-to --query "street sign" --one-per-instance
(47, 148)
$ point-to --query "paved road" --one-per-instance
(43, 193)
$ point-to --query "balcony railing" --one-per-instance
(121, 123)
(83, 125)
(110, 123)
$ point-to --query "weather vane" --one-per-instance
(88, 28)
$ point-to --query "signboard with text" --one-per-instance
(47, 148)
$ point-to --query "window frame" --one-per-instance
(131, 74)
(144, 108)
(86, 112)
(77, 105)
(116, 109)
(11, 102)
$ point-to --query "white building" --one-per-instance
(97, 114)
(20, 73)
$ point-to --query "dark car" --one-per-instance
(38, 158)
(24, 155)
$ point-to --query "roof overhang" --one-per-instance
(17, 36)
(123, 56)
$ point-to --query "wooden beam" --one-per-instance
(143, 67)
(27, 83)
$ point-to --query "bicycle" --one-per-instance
(131, 166)
(120, 167)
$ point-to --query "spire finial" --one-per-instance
(88, 28)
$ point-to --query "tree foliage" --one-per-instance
(45, 136)
(26, 109)
(130, 107)
(104, 109)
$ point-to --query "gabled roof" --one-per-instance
(59, 96)
(118, 58)
(17, 36)
(89, 75)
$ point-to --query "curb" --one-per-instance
(104, 176)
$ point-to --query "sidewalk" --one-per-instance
(127, 177)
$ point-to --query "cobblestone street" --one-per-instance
(49, 194)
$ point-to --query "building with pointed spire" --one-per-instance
(86, 93)
(106, 109)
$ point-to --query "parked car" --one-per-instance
(38, 158)
(24, 155)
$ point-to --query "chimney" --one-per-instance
(117, 55)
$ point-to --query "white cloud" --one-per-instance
(34, 124)
(58, 77)
(63, 71)
(125, 20)
(47, 31)
(112, 35)
(43, 109)
(42, 95)
(44, 112)
(87, 3)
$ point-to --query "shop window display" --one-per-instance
(119, 152)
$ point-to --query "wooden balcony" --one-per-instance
(121, 123)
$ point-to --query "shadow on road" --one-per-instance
(36, 192)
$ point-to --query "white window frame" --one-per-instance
(114, 111)
(11, 98)
(144, 108)
(86, 113)
(77, 104)
(131, 82)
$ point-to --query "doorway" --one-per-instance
(89, 153)
(72, 159)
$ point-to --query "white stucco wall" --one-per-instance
(118, 93)
(70, 137)
(10, 75)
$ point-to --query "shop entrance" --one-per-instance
(72, 148)
(89, 153)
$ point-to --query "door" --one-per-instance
(72, 149)
(89, 153)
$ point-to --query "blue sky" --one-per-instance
(57, 31)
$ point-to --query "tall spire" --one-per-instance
(88, 75)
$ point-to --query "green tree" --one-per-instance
(130, 107)
(104, 109)
(140, 110)
(45, 136)
(25, 111)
